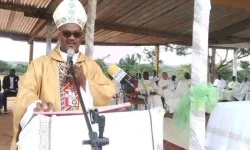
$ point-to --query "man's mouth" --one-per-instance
(71, 45)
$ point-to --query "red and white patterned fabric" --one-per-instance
(68, 94)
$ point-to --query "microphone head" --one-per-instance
(70, 53)
(117, 73)
(112, 69)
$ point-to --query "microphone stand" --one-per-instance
(124, 94)
(95, 141)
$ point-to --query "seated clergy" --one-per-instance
(182, 89)
(226, 94)
(240, 92)
(219, 83)
(165, 88)
(149, 89)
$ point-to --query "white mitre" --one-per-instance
(70, 11)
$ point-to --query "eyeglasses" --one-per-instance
(76, 34)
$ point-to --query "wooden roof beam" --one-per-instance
(229, 31)
(235, 4)
(141, 31)
(14, 36)
(37, 29)
(20, 8)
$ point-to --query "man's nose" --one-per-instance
(71, 37)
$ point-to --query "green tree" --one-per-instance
(129, 63)
(21, 68)
(225, 72)
(146, 67)
(4, 66)
(149, 55)
(180, 50)
(184, 50)
(244, 65)
(181, 70)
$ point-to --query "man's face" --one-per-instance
(12, 73)
(154, 73)
(146, 76)
(234, 78)
(165, 76)
(70, 37)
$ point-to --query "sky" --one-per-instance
(19, 51)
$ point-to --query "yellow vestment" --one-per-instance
(41, 82)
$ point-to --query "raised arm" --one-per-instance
(102, 89)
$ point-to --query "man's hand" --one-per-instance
(152, 93)
(80, 77)
(43, 107)
(164, 87)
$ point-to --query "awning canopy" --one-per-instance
(130, 22)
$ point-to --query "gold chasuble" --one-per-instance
(43, 81)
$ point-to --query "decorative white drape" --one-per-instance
(235, 63)
(49, 36)
(90, 28)
(199, 70)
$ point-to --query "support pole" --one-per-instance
(235, 63)
(31, 51)
(49, 36)
(209, 66)
(157, 52)
(90, 28)
(213, 73)
(199, 71)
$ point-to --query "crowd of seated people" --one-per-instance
(158, 92)
(234, 90)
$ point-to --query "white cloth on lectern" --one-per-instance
(125, 130)
(86, 96)
(228, 127)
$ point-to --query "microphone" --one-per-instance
(119, 75)
(70, 54)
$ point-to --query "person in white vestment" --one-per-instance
(182, 89)
(220, 83)
(165, 88)
(154, 77)
(240, 92)
(149, 89)
(174, 81)
(226, 94)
